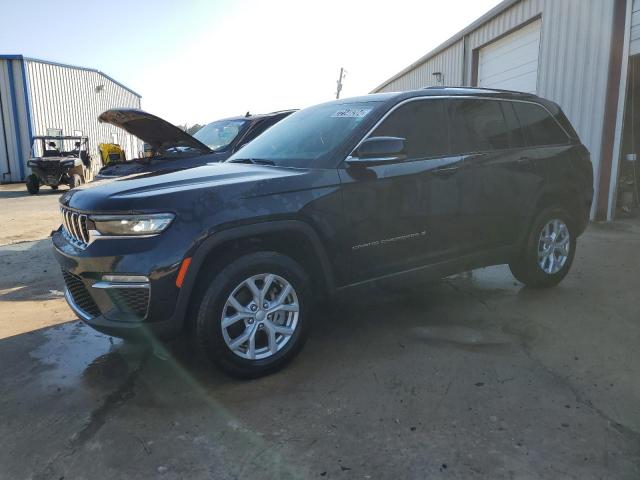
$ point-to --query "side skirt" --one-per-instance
(436, 271)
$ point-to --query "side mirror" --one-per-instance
(378, 151)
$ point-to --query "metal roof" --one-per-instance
(66, 65)
(501, 7)
(59, 137)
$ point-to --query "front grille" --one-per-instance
(51, 167)
(75, 226)
(134, 301)
(80, 294)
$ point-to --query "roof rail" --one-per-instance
(282, 111)
(479, 89)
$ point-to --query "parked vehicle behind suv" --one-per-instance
(171, 148)
(59, 160)
(385, 187)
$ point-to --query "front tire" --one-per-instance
(33, 184)
(548, 252)
(75, 181)
(252, 318)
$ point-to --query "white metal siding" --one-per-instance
(511, 63)
(634, 45)
(66, 97)
(450, 63)
(37, 95)
(575, 41)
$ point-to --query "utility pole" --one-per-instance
(343, 73)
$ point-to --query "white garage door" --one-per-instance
(511, 63)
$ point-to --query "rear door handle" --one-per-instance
(524, 160)
(445, 172)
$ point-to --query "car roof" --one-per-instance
(395, 97)
(58, 137)
(440, 91)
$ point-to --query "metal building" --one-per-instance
(578, 53)
(39, 97)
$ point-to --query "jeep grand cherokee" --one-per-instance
(371, 189)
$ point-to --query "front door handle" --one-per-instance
(445, 172)
(524, 160)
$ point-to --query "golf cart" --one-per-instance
(59, 160)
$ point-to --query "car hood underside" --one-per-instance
(158, 133)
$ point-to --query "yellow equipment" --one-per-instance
(111, 153)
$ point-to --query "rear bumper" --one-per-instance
(584, 213)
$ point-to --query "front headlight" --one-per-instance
(131, 225)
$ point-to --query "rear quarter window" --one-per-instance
(538, 126)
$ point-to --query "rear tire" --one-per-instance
(33, 184)
(251, 332)
(75, 181)
(548, 252)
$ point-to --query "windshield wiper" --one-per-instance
(255, 161)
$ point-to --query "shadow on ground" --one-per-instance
(5, 194)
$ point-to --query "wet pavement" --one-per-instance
(470, 377)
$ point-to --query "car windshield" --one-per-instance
(218, 135)
(307, 134)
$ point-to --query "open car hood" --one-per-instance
(155, 131)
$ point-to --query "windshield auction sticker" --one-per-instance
(351, 113)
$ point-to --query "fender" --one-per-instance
(567, 196)
(235, 233)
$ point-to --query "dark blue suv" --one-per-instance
(389, 187)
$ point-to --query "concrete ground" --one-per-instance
(470, 377)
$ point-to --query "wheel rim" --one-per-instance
(260, 316)
(554, 246)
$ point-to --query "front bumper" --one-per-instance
(50, 176)
(143, 330)
(138, 309)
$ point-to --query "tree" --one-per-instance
(190, 130)
(194, 128)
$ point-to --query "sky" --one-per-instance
(195, 61)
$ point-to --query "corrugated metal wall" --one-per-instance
(573, 64)
(71, 99)
(450, 63)
(634, 40)
(14, 122)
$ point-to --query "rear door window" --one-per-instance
(477, 126)
(539, 127)
(423, 123)
(516, 135)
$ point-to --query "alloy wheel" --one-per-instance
(553, 246)
(260, 316)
